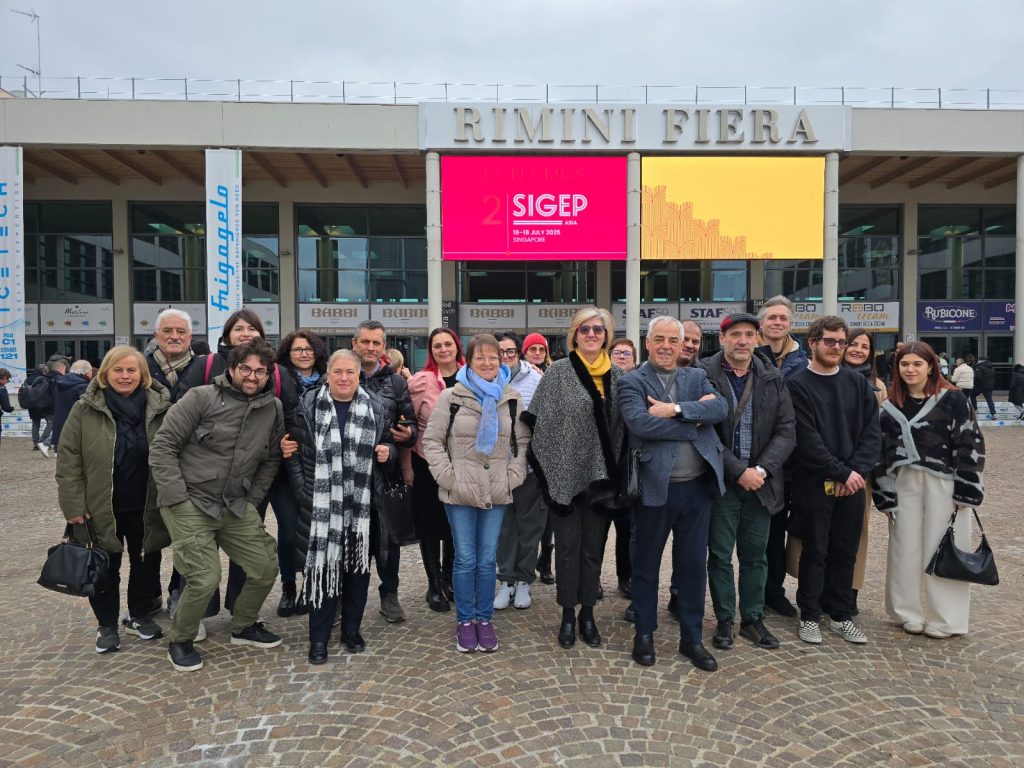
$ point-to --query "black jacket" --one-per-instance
(66, 391)
(301, 469)
(1016, 395)
(774, 428)
(176, 391)
(392, 390)
(984, 376)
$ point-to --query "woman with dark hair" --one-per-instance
(444, 359)
(478, 457)
(623, 355)
(302, 359)
(241, 326)
(933, 457)
(578, 437)
(103, 476)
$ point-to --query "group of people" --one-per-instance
(737, 452)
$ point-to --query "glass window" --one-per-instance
(69, 252)
(968, 253)
(948, 220)
(858, 220)
(1000, 221)
(660, 280)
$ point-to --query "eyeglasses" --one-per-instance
(586, 330)
(246, 371)
(830, 343)
(509, 353)
(622, 353)
(302, 350)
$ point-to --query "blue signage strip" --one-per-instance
(12, 266)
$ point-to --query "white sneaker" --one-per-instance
(522, 590)
(201, 632)
(848, 631)
(44, 450)
(913, 627)
(503, 596)
(938, 634)
(810, 632)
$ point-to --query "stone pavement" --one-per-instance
(412, 700)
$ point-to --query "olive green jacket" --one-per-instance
(85, 468)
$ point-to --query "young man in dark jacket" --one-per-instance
(838, 440)
(758, 434)
(66, 391)
(378, 378)
(984, 383)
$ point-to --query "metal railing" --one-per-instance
(358, 92)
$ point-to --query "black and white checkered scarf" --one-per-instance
(339, 532)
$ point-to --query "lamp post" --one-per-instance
(38, 71)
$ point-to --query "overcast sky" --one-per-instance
(913, 43)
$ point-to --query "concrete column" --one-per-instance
(830, 265)
(908, 273)
(633, 248)
(288, 242)
(1018, 335)
(435, 281)
(121, 244)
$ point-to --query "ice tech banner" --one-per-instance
(12, 266)
(223, 238)
(535, 208)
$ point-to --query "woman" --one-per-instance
(444, 359)
(1016, 393)
(302, 358)
(577, 441)
(342, 434)
(933, 458)
(103, 476)
(623, 355)
(477, 455)
(536, 352)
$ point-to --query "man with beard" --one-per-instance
(838, 444)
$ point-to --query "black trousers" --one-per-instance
(579, 546)
(143, 574)
(354, 587)
(388, 572)
(431, 521)
(829, 528)
(776, 550)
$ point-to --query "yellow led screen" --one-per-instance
(732, 207)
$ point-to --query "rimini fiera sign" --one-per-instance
(636, 128)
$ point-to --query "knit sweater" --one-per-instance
(943, 439)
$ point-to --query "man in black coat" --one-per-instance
(67, 389)
(984, 383)
(759, 434)
(380, 379)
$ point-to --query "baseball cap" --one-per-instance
(739, 317)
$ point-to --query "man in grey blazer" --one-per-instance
(669, 413)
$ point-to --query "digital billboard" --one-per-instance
(537, 208)
(732, 208)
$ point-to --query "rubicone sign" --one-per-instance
(537, 208)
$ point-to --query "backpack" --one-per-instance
(277, 376)
(36, 396)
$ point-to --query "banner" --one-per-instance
(940, 316)
(732, 208)
(223, 237)
(553, 208)
(12, 266)
(76, 319)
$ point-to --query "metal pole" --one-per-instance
(291, 90)
(830, 264)
(185, 79)
(133, 89)
(39, 54)
(343, 100)
(239, 89)
(940, 97)
(446, 91)
(394, 90)
(79, 86)
(892, 97)
(988, 98)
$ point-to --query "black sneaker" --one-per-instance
(256, 634)
(107, 640)
(755, 631)
(723, 635)
(781, 606)
(184, 657)
(145, 628)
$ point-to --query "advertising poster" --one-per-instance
(940, 316)
(709, 316)
(223, 237)
(732, 208)
(144, 315)
(1000, 316)
(76, 319)
(12, 266)
(536, 208)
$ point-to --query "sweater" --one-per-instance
(943, 439)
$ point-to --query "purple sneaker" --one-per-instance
(486, 640)
(465, 637)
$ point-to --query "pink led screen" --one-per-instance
(511, 208)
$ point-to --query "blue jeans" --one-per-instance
(475, 534)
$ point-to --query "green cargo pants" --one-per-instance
(195, 538)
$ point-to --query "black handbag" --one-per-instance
(393, 500)
(949, 562)
(82, 570)
(629, 478)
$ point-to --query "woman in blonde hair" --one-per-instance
(103, 477)
(577, 441)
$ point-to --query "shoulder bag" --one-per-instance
(82, 570)
(949, 562)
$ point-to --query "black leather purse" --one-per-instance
(630, 490)
(949, 562)
(393, 501)
(82, 570)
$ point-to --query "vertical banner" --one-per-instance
(12, 266)
(223, 238)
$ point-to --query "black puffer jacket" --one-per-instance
(301, 468)
(391, 389)
(1016, 395)
(984, 376)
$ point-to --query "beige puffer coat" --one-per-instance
(463, 475)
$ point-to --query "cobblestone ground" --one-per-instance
(412, 700)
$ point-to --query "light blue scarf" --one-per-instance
(488, 393)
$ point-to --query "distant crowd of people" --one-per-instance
(517, 467)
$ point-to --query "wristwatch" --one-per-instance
(679, 409)
(761, 471)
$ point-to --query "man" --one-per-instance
(379, 378)
(5, 398)
(837, 445)
(26, 399)
(669, 413)
(213, 461)
(692, 335)
(57, 367)
(758, 434)
(984, 382)
(523, 525)
(783, 352)
(66, 391)
(173, 355)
